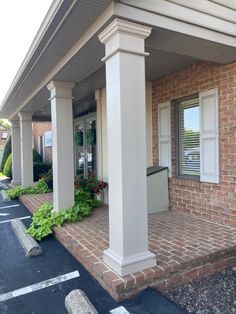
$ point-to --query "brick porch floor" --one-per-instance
(186, 248)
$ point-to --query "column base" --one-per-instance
(15, 183)
(130, 264)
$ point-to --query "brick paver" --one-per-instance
(186, 248)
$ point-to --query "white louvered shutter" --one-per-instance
(164, 131)
(209, 136)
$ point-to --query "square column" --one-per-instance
(62, 147)
(16, 152)
(26, 148)
(126, 118)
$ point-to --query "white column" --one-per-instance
(26, 148)
(126, 118)
(16, 152)
(62, 146)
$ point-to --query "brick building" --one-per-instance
(42, 138)
(159, 91)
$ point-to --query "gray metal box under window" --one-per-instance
(157, 189)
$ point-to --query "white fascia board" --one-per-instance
(42, 30)
(104, 17)
(180, 19)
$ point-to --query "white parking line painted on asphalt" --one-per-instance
(39, 286)
(9, 220)
(119, 310)
(9, 206)
(4, 214)
(4, 185)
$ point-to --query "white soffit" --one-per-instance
(211, 7)
(227, 3)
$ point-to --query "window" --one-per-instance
(189, 138)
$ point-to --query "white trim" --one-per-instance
(98, 97)
(39, 286)
(21, 218)
(149, 142)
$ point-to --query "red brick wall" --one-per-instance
(216, 202)
(38, 130)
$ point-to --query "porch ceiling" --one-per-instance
(158, 64)
(169, 51)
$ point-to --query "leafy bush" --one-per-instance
(36, 156)
(38, 165)
(40, 188)
(6, 152)
(40, 168)
(7, 170)
(45, 218)
(48, 177)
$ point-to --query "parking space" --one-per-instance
(40, 284)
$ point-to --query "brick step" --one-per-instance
(158, 277)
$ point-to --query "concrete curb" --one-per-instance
(76, 302)
(30, 246)
(5, 197)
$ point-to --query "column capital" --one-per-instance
(25, 116)
(119, 26)
(122, 36)
(60, 89)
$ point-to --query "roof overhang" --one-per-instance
(67, 47)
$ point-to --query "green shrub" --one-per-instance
(7, 170)
(45, 218)
(40, 188)
(40, 168)
(48, 177)
(6, 152)
(36, 156)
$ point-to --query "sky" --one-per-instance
(19, 23)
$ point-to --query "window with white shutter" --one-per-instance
(209, 136)
(189, 138)
(198, 137)
(164, 131)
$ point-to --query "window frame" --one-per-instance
(177, 102)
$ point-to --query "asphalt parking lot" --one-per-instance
(40, 284)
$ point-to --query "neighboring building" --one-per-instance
(4, 135)
(42, 138)
(133, 84)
